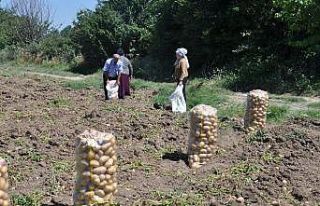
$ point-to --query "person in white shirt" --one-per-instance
(112, 71)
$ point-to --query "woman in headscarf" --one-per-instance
(126, 75)
(181, 69)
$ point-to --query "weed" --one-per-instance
(244, 170)
(269, 157)
(177, 198)
(259, 136)
(277, 113)
(62, 166)
(32, 199)
(34, 155)
(139, 165)
(15, 176)
(59, 103)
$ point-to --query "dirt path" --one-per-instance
(77, 78)
(301, 104)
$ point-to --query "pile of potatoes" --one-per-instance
(96, 166)
(4, 184)
(256, 112)
(203, 135)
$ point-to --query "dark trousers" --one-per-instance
(124, 89)
(105, 79)
(184, 83)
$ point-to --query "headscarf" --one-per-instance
(183, 53)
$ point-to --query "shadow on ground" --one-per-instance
(176, 156)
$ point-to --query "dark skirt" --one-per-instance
(124, 89)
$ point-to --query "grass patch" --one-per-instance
(269, 157)
(277, 113)
(259, 136)
(62, 166)
(34, 156)
(307, 114)
(176, 198)
(94, 81)
(138, 84)
(59, 102)
(32, 199)
(163, 93)
(289, 99)
(244, 170)
(315, 105)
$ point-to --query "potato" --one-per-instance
(105, 147)
(94, 163)
(109, 163)
(2, 194)
(103, 184)
(2, 183)
(99, 170)
(104, 159)
(109, 188)
(3, 169)
(112, 170)
(98, 199)
(6, 203)
(100, 193)
(91, 155)
(102, 177)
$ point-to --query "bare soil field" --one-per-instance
(40, 120)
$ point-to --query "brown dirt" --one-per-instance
(40, 120)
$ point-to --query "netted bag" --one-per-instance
(96, 166)
(4, 184)
(203, 135)
(256, 111)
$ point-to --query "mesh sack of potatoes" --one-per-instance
(96, 167)
(256, 111)
(4, 183)
(203, 135)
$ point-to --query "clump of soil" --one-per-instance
(40, 121)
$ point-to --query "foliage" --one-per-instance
(272, 45)
(113, 24)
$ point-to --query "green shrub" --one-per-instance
(277, 113)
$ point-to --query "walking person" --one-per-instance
(181, 69)
(112, 71)
(126, 74)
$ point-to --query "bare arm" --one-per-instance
(184, 70)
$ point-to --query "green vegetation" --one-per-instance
(32, 199)
(177, 198)
(288, 99)
(315, 105)
(59, 103)
(277, 113)
(277, 52)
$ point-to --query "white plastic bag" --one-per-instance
(177, 100)
(112, 88)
